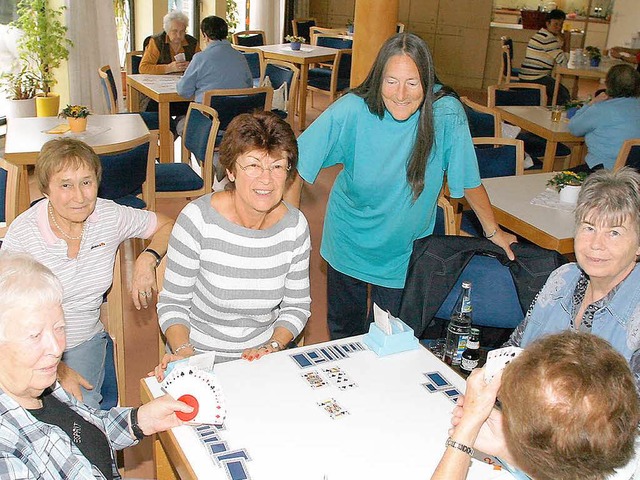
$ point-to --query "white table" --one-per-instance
(584, 71)
(511, 201)
(105, 134)
(395, 427)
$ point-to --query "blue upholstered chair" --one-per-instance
(179, 179)
(507, 71)
(279, 73)
(130, 173)
(255, 60)
(483, 121)
(629, 155)
(233, 102)
(302, 26)
(132, 62)
(9, 180)
(332, 80)
(249, 38)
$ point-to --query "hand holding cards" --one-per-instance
(180, 58)
(498, 359)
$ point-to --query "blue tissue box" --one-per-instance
(400, 340)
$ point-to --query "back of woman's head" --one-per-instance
(623, 81)
(214, 27)
(570, 408)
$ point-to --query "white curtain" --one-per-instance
(268, 15)
(92, 29)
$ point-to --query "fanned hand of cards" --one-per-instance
(199, 389)
(498, 359)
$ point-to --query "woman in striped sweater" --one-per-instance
(237, 279)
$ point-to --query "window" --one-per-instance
(123, 10)
(8, 13)
(188, 8)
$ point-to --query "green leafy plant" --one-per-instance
(576, 103)
(75, 111)
(294, 38)
(562, 179)
(44, 43)
(349, 23)
(231, 17)
(593, 53)
(22, 85)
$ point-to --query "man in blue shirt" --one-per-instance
(218, 66)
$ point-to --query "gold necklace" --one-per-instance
(64, 234)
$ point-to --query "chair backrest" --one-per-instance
(127, 173)
(510, 94)
(249, 38)
(504, 75)
(200, 129)
(343, 61)
(301, 27)
(399, 27)
(504, 157)
(483, 121)
(109, 88)
(314, 31)
(255, 60)
(280, 72)
(9, 180)
(132, 62)
(333, 41)
(629, 155)
(231, 103)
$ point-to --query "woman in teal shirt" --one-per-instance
(396, 135)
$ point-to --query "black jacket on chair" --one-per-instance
(438, 260)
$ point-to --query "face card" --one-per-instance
(438, 380)
(332, 407)
(314, 379)
(498, 359)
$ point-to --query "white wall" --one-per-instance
(625, 23)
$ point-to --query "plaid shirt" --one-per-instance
(30, 449)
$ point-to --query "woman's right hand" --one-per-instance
(158, 372)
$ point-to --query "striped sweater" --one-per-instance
(231, 286)
(543, 52)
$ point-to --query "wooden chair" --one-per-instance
(249, 38)
(255, 59)
(9, 181)
(332, 81)
(301, 27)
(483, 121)
(399, 27)
(314, 31)
(528, 94)
(629, 155)
(280, 72)
(132, 61)
(178, 179)
(506, 62)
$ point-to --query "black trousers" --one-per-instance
(348, 307)
(563, 92)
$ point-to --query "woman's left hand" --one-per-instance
(255, 353)
(144, 281)
(159, 414)
(504, 240)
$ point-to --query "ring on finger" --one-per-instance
(143, 294)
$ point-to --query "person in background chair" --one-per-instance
(569, 411)
(219, 66)
(544, 51)
(77, 235)
(610, 118)
(45, 433)
(599, 293)
(160, 54)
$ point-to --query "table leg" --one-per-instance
(24, 197)
(556, 89)
(166, 138)
(577, 155)
(133, 99)
(304, 71)
(549, 156)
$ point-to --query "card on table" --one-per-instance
(339, 378)
(498, 359)
(314, 379)
(438, 380)
(332, 407)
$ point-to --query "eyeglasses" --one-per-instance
(254, 170)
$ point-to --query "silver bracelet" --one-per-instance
(460, 446)
(492, 234)
(183, 346)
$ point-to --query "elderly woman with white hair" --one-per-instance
(160, 54)
(45, 432)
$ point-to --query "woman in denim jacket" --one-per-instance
(599, 293)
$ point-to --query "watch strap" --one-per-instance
(155, 254)
(135, 428)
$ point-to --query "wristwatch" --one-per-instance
(275, 345)
(135, 428)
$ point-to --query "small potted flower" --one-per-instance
(572, 106)
(296, 41)
(568, 184)
(594, 54)
(76, 115)
(350, 27)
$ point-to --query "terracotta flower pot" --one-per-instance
(77, 125)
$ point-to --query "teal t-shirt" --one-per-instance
(371, 221)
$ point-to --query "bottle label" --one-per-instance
(466, 305)
(468, 364)
(462, 345)
(473, 345)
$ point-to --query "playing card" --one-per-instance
(314, 379)
(197, 388)
(332, 407)
(180, 57)
(498, 359)
(339, 378)
(381, 319)
(438, 381)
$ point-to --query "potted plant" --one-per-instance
(43, 46)
(572, 106)
(568, 184)
(594, 54)
(76, 115)
(21, 90)
(350, 27)
(296, 41)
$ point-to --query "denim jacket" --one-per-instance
(618, 322)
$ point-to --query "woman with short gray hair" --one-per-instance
(610, 118)
(598, 293)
